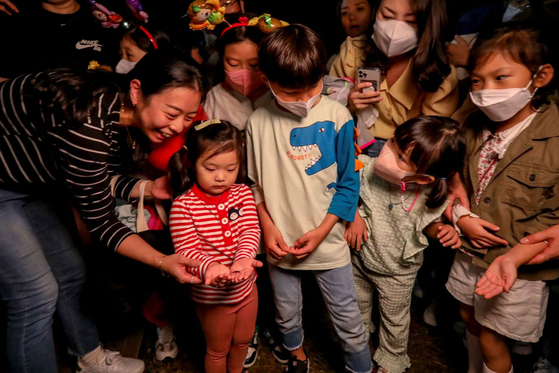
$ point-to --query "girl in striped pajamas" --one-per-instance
(215, 221)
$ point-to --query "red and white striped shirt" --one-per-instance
(219, 229)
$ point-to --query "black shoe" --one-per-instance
(252, 352)
(297, 366)
(281, 355)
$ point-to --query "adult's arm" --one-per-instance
(551, 250)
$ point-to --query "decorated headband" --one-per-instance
(203, 125)
(266, 23)
(243, 21)
(205, 14)
(150, 37)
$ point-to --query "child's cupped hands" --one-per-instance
(499, 277)
(356, 233)
(242, 269)
(308, 242)
(217, 275)
(448, 236)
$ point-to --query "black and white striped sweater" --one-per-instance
(38, 148)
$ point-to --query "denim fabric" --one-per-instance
(338, 290)
(373, 151)
(42, 271)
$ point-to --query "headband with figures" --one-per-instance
(265, 23)
(205, 14)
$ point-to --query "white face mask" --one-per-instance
(502, 104)
(124, 66)
(394, 38)
(299, 108)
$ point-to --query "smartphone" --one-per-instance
(369, 74)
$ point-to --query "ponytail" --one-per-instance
(439, 193)
(181, 172)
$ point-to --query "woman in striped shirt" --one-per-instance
(215, 221)
(64, 134)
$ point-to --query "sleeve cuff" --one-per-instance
(457, 212)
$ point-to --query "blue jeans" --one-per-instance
(42, 271)
(338, 290)
(373, 151)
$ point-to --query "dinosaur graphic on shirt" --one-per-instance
(323, 136)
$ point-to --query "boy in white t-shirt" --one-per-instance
(301, 160)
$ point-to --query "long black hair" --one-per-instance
(75, 93)
(429, 65)
(219, 137)
(438, 148)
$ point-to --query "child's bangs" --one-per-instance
(520, 46)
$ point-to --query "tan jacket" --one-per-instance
(351, 57)
(404, 100)
(523, 195)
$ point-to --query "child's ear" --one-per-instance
(422, 179)
(544, 76)
(135, 91)
(264, 79)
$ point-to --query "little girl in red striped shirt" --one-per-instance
(215, 222)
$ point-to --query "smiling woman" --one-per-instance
(65, 133)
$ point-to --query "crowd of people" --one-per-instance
(258, 158)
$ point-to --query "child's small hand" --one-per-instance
(448, 236)
(242, 269)
(355, 232)
(307, 243)
(499, 277)
(275, 245)
(476, 230)
(217, 275)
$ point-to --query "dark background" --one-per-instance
(321, 16)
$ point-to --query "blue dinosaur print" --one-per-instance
(320, 134)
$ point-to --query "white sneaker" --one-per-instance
(544, 366)
(429, 315)
(166, 348)
(114, 362)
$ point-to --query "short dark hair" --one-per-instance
(293, 56)
(523, 45)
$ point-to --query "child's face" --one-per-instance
(356, 17)
(129, 51)
(402, 158)
(240, 56)
(399, 10)
(294, 95)
(216, 173)
(500, 72)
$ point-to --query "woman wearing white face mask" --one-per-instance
(417, 78)
(136, 43)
